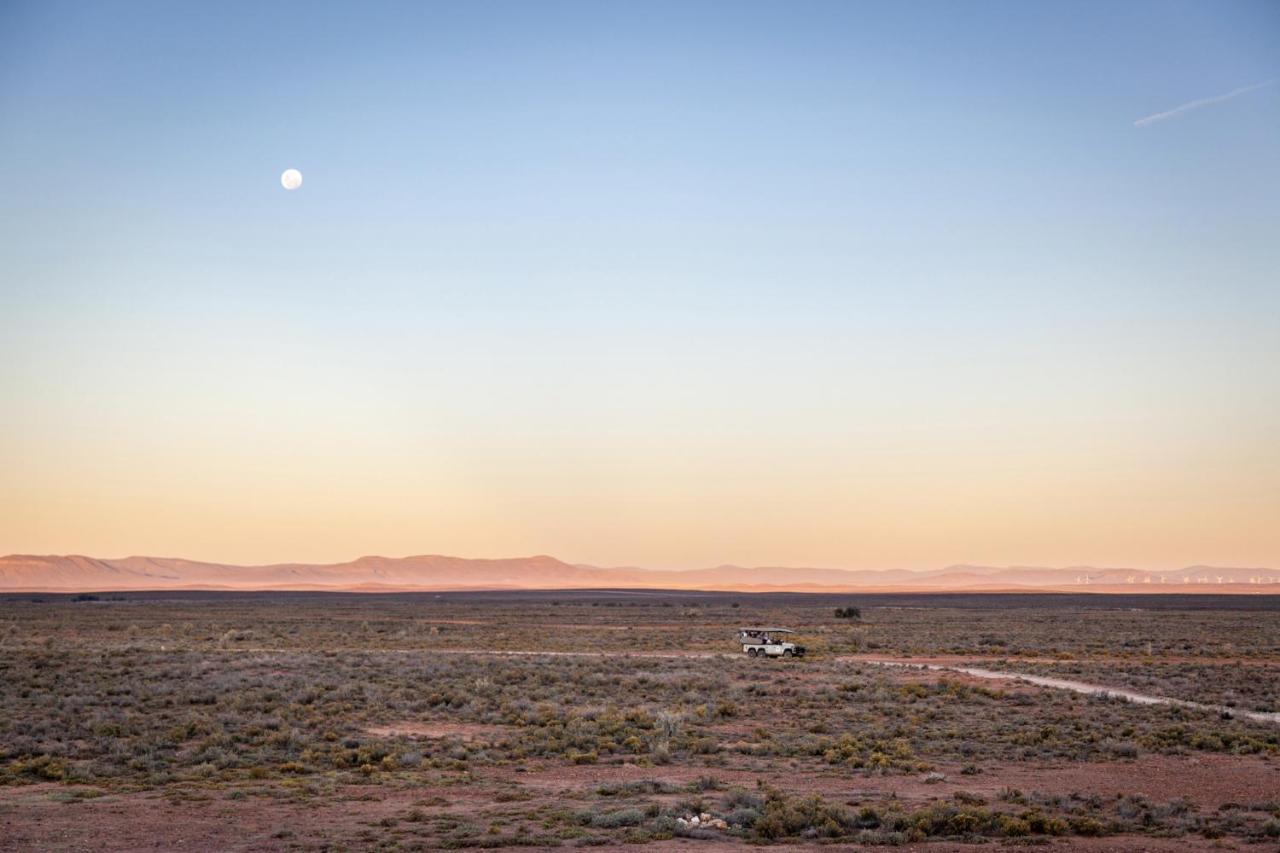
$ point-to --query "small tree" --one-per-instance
(848, 613)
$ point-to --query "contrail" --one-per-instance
(1202, 102)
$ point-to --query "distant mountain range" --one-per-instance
(26, 573)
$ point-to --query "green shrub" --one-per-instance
(786, 817)
(612, 820)
(1087, 826)
(1012, 826)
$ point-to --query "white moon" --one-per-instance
(291, 179)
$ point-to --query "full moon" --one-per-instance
(291, 179)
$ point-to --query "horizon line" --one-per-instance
(638, 567)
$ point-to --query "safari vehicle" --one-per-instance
(769, 642)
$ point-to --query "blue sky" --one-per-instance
(641, 257)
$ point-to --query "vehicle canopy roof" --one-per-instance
(767, 630)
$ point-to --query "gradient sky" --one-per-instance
(668, 284)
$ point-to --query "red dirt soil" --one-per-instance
(31, 819)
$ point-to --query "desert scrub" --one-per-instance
(308, 702)
(785, 817)
(871, 754)
(133, 714)
(795, 817)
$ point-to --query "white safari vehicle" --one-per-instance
(769, 642)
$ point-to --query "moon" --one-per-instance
(291, 179)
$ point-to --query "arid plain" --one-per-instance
(190, 720)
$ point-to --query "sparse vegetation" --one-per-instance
(333, 700)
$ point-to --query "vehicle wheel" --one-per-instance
(751, 653)
(786, 653)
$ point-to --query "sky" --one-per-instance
(673, 284)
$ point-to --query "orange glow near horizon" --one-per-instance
(295, 485)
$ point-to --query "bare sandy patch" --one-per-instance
(433, 729)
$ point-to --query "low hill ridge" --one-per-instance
(75, 573)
